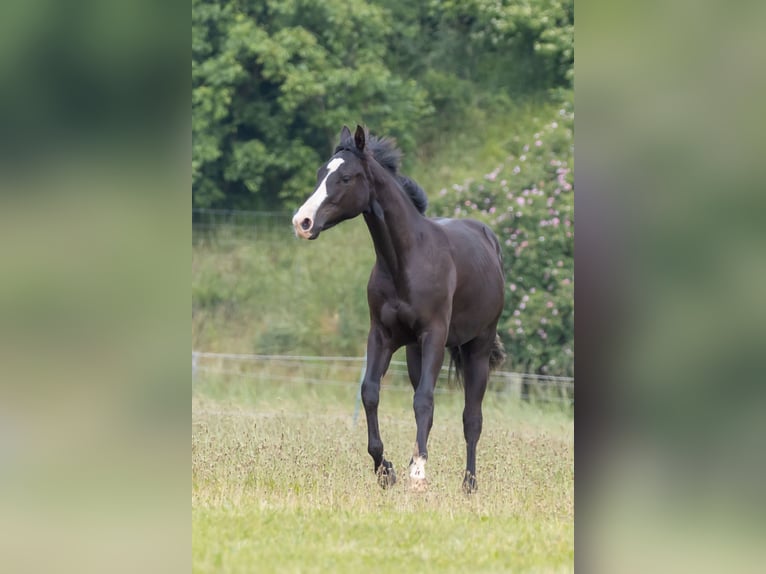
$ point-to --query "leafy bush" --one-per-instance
(521, 45)
(529, 202)
(273, 81)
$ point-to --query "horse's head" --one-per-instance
(342, 192)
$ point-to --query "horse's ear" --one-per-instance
(345, 134)
(359, 137)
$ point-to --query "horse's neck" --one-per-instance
(394, 234)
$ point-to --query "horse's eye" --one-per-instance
(345, 178)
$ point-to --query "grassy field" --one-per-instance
(282, 482)
(281, 478)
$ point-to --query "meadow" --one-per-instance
(282, 482)
(281, 478)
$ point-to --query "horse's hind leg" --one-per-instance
(475, 376)
(378, 358)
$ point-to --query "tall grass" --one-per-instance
(282, 482)
(273, 293)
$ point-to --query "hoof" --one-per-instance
(418, 468)
(469, 483)
(418, 482)
(386, 475)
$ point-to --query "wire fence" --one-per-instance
(348, 371)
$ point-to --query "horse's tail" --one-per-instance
(456, 359)
(497, 354)
(496, 358)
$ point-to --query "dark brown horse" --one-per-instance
(436, 283)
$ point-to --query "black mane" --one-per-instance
(385, 152)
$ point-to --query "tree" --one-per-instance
(271, 84)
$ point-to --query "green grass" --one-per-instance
(274, 293)
(282, 482)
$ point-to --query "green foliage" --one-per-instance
(272, 82)
(518, 47)
(529, 201)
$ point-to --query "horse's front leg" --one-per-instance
(432, 356)
(379, 353)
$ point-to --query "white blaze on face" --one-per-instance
(418, 468)
(309, 209)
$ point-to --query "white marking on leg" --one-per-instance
(309, 209)
(418, 468)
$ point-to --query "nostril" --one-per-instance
(306, 224)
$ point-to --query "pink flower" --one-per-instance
(516, 169)
(538, 143)
(513, 286)
(555, 221)
(520, 201)
(492, 176)
(549, 304)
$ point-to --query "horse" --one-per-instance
(437, 283)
